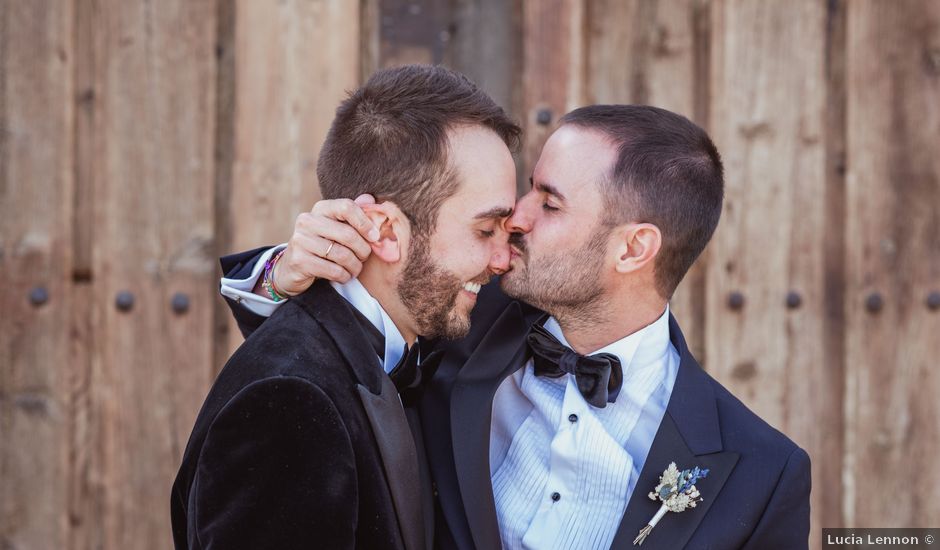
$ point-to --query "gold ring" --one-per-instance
(327, 253)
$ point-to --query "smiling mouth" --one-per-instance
(473, 288)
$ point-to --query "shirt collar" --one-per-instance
(643, 346)
(359, 298)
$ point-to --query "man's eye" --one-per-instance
(548, 207)
(487, 234)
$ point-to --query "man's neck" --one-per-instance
(608, 322)
(380, 286)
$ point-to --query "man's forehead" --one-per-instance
(478, 201)
(572, 143)
(573, 156)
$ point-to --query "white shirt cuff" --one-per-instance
(240, 290)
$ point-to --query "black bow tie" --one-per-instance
(407, 374)
(599, 376)
(409, 377)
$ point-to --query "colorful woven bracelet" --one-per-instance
(267, 282)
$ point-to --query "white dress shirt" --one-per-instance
(240, 290)
(592, 462)
(562, 470)
(353, 292)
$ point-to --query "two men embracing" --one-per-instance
(389, 395)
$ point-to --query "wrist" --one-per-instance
(268, 279)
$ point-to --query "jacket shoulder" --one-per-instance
(746, 432)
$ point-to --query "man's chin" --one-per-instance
(454, 324)
(454, 329)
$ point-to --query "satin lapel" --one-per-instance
(501, 352)
(689, 435)
(399, 458)
(336, 316)
(427, 494)
(382, 405)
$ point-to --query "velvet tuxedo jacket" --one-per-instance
(302, 443)
(756, 495)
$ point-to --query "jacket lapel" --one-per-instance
(382, 405)
(399, 457)
(501, 352)
(690, 436)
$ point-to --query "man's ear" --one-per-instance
(394, 230)
(637, 246)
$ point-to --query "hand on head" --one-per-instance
(329, 242)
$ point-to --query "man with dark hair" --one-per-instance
(554, 422)
(303, 441)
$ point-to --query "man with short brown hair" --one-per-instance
(302, 441)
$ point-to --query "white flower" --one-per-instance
(670, 476)
(672, 499)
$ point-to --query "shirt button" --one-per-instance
(572, 418)
(556, 497)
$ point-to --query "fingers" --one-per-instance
(365, 199)
(307, 269)
(329, 242)
(324, 249)
(345, 210)
(319, 226)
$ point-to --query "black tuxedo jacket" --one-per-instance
(301, 443)
(756, 495)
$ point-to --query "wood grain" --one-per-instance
(893, 221)
(553, 70)
(767, 120)
(485, 43)
(293, 63)
(154, 229)
(643, 52)
(36, 146)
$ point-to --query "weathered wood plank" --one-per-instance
(293, 64)
(288, 82)
(85, 494)
(893, 220)
(643, 52)
(224, 331)
(828, 451)
(154, 229)
(479, 38)
(649, 53)
(36, 146)
(413, 32)
(553, 71)
(486, 45)
(767, 120)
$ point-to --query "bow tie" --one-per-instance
(599, 376)
(407, 375)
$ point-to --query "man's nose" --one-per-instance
(499, 259)
(520, 221)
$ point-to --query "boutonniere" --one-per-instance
(677, 492)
